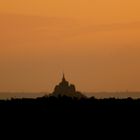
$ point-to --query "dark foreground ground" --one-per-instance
(89, 107)
(59, 114)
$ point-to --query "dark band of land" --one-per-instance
(48, 105)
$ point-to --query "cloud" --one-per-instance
(23, 25)
(114, 26)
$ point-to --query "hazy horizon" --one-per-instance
(98, 95)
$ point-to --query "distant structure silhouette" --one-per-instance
(66, 89)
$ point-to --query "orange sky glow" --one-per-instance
(95, 42)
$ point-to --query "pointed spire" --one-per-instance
(63, 79)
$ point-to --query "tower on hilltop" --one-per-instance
(66, 89)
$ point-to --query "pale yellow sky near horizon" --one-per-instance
(96, 43)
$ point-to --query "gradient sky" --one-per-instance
(95, 42)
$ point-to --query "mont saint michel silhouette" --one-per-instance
(66, 89)
(66, 104)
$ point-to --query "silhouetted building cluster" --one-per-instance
(66, 89)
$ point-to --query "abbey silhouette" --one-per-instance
(66, 89)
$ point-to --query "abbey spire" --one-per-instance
(66, 89)
(63, 79)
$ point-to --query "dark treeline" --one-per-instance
(63, 113)
(48, 105)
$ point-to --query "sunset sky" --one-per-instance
(95, 42)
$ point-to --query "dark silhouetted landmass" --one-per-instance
(69, 110)
(58, 105)
(59, 114)
(66, 89)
